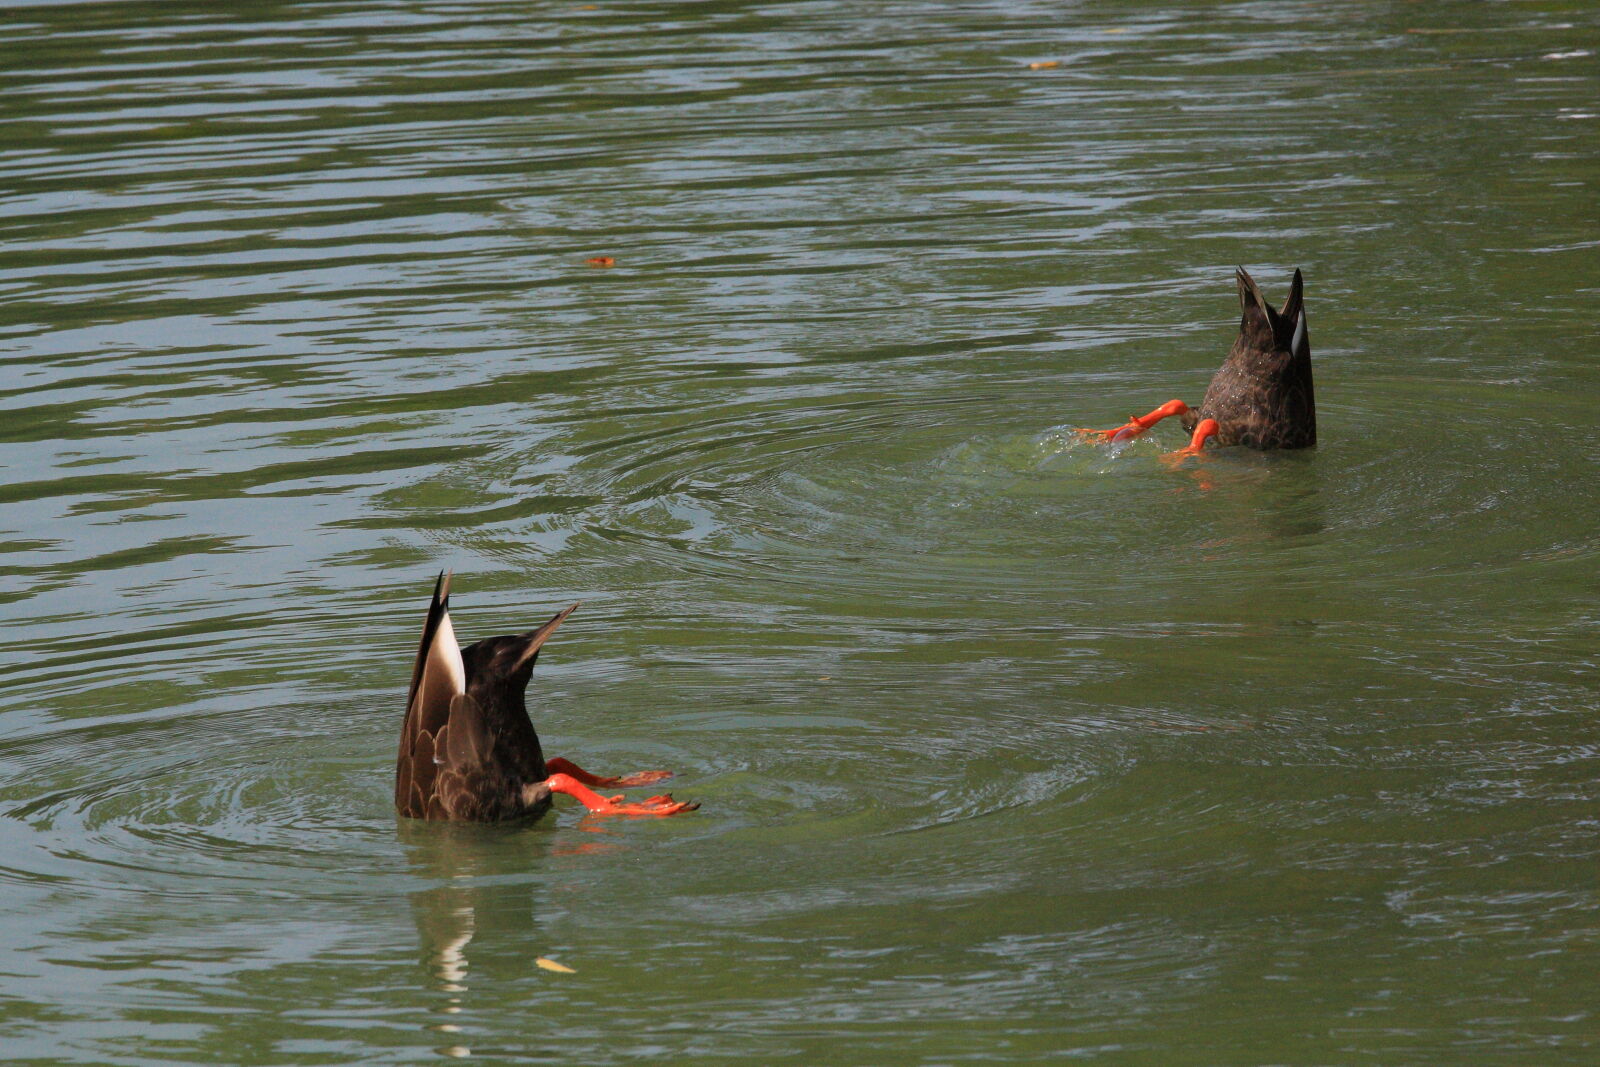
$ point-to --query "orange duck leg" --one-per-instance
(1206, 429)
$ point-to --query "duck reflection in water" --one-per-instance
(446, 922)
(1262, 396)
(480, 893)
(468, 751)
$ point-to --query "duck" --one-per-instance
(468, 750)
(1262, 396)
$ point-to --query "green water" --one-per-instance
(1009, 748)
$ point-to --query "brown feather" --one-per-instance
(467, 747)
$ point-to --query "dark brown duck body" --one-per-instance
(468, 750)
(1262, 396)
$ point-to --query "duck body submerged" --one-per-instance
(468, 750)
(1262, 396)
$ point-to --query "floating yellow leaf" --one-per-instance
(1045, 65)
(552, 965)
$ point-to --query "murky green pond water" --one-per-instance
(1009, 748)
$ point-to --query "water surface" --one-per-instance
(1009, 748)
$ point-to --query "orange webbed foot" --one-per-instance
(560, 765)
(661, 805)
(1137, 424)
(1126, 431)
(616, 805)
(627, 781)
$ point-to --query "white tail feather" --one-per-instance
(444, 673)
